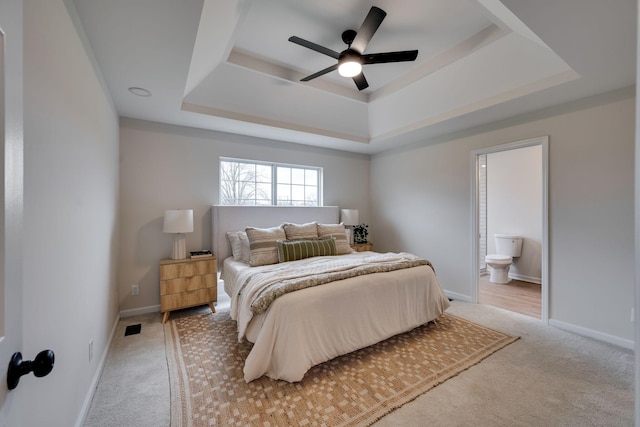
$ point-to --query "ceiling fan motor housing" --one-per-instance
(349, 55)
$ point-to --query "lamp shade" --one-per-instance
(349, 216)
(178, 221)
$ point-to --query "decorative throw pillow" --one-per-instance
(236, 244)
(301, 231)
(263, 244)
(293, 250)
(245, 255)
(338, 232)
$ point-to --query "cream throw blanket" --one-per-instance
(259, 288)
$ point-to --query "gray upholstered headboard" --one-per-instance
(236, 218)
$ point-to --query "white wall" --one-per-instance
(171, 167)
(70, 213)
(514, 206)
(422, 204)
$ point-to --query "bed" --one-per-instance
(300, 329)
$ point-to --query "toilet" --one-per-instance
(508, 247)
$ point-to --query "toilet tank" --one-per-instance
(508, 244)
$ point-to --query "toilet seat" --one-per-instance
(498, 259)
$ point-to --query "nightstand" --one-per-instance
(187, 283)
(361, 247)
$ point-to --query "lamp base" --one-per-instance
(179, 246)
(349, 234)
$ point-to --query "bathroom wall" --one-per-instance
(514, 206)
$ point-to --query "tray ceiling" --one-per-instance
(229, 66)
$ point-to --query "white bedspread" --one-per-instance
(310, 326)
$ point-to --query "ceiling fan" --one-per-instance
(351, 60)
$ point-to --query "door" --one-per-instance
(475, 223)
(11, 205)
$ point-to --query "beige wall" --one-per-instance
(171, 167)
(70, 214)
(422, 204)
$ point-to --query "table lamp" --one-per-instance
(349, 218)
(178, 221)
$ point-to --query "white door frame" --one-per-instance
(475, 215)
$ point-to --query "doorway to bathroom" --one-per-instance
(510, 198)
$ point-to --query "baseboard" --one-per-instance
(590, 333)
(579, 330)
(537, 280)
(457, 296)
(86, 405)
(141, 310)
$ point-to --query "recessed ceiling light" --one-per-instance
(139, 91)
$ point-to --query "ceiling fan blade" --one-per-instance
(367, 30)
(320, 73)
(313, 46)
(360, 81)
(379, 58)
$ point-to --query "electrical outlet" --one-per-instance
(90, 350)
(135, 289)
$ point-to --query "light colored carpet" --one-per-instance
(134, 387)
(548, 377)
(208, 388)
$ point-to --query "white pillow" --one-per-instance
(239, 246)
(246, 251)
(236, 245)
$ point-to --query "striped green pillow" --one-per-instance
(293, 250)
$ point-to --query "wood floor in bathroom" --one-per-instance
(517, 296)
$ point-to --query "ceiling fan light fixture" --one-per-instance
(349, 64)
(350, 68)
(350, 61)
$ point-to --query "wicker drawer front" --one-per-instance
(361, 247)
(187, 283)
(188, 269)
(187, 299)
(183, 284)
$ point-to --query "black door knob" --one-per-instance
(41, 366)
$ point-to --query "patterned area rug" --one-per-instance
(207, 385)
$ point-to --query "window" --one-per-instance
(245, 182)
